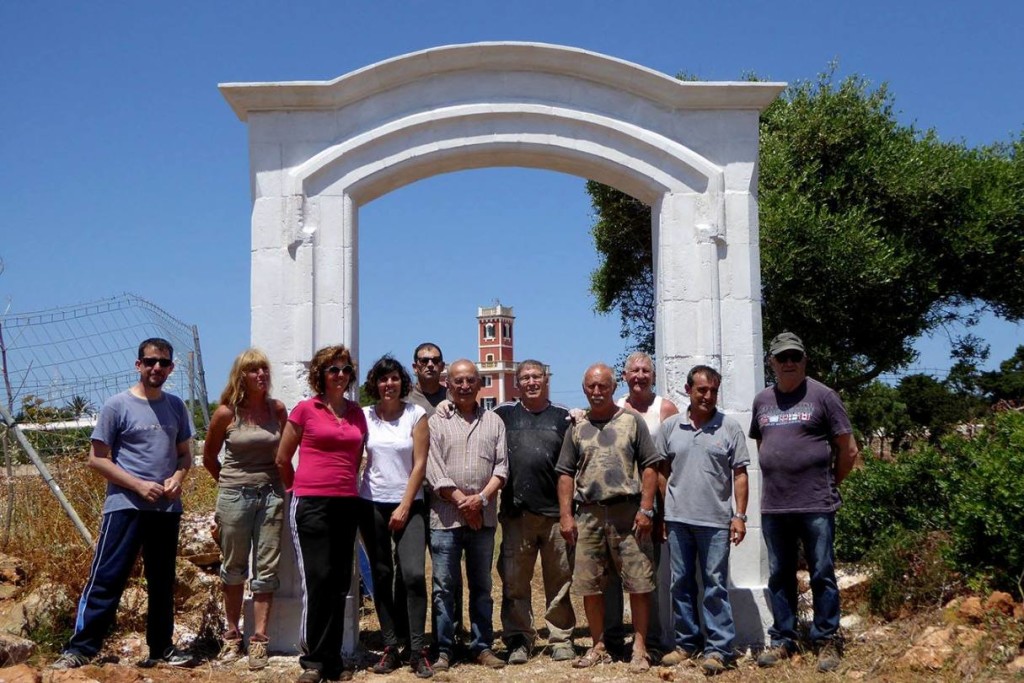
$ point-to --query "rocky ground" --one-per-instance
(972, 638)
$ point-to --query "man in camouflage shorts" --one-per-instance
(608, 467)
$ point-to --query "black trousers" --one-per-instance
(400, 598)
(324, 534)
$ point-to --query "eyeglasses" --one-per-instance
(162, 362)
(347, 370)
(789, 357)
(427, 360)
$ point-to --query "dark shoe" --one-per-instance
(773, 655)
(172, 656)
(389, 661)
(347, 673)
(713, 664)
(563, 652)
(677, 656)
(829, 655)
(490, 660)
(421, 665)
(70, 660)
(520, 655)
(309, 676)
(444, 661)
(258, 657)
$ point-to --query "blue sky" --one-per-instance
(123, 169)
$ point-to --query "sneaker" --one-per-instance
(258, 654)
(677, 656)
(389, 661)
(828, 656)
(520, 655)
(490, 660)
(443, 662)
(421, 664)
(69, 660)
(773, 655)
(563, 652)
(309, 676)
(713, 664)
(172, 656)
(232, 648)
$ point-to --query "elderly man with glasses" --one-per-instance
(805, 448)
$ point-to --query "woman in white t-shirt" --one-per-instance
(393, 523)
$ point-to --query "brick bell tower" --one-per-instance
(496, 360)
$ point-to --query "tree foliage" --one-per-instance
(872, 232)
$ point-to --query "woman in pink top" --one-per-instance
(330, 433)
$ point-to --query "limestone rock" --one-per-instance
(12, 570)
(1017, 665)
(14, 649)
(970, 610)
(20, 674)
(1000, 602)
(1018, 612)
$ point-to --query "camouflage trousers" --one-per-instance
(606, 544)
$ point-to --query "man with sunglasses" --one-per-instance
(141, 446)
(428, 366)
(805, 448)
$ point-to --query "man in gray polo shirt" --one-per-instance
(706, 455)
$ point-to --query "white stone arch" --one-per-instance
(320, 150)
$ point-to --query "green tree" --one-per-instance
(872, 232)
(1006, 383)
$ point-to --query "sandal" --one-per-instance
(593, 657)
(639, 665)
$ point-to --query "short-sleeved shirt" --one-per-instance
(330, 450)
(389, 455)
(796, 432)
(699, 488)
(464, 454)
(143, 437)
(534, 442)
(606, 457)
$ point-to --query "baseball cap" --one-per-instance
(787, 341)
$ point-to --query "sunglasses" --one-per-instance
(789, 356)
(427, 360)
(162, 362)
(334, 370)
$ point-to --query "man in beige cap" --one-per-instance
(805, 448)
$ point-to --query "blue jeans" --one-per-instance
(817, 533)
(690, 547)
(447, 547)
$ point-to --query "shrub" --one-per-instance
(910, 569)
(885, 496)
(987, 507)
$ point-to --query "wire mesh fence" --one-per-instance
(60, 365)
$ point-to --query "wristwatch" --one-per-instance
(742, 518)
(649, 514)
(483, 499)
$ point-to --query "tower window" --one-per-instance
(489, 331)
(506, 330)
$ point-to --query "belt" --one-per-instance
(615, 500)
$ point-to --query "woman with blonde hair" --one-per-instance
(250, 498)
(330, 431)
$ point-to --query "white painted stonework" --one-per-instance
(319, 150)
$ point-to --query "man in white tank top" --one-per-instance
(639, 377)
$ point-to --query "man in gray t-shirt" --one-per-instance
(706, 456)
(805, 449)
(140, 445)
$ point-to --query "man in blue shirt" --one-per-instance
(141, 446)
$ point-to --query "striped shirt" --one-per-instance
(464, 455)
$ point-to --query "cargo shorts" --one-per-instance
(606, 542)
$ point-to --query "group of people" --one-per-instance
(595, 493)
